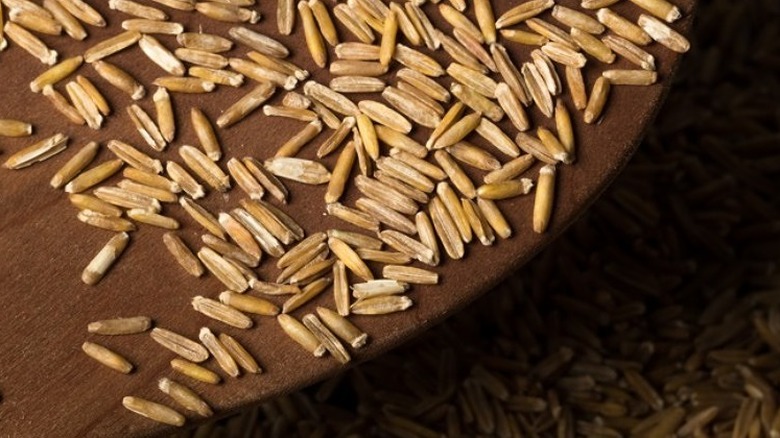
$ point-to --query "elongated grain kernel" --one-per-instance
(186, 85)
(110, 223)
(221, 312)
(284, 220)
(314, 39)
(292, 146)
(453, 205)
(425, 84)
(133, 157)
(145, 126)
(107, 357)
(87, 202)
(206, 169)
(94, 95)
(153, 411)
(324, 22)
(458, 130)
(353, 23)
(249, 304)
(220, 353)
(422, 24)
(477, 102)
(396, 139)
(262, 73)
(240, 233)
(410, 274)
(185, 397)
(473, 79)
(474, 156)
(120, 326)
(401, 170)
(93, 176)
(459, 21)
(69, 23)
(227, 13)
(30, 43)
(523, 12)
(181, 177)
(411, 107)
(631, 77)
(660, 8)
(298, 169)
(623, 27)
(138, 10)
(326, 337)
(56, 73)
(221, 77)
(75, 165)
(341, 288)
(146, 26)
(564, 55)
(486, 20)
(230, 251)
(331, 99)
(104, 259)
(120, 79)
(508, 71)
(355, 217)
(382, 305)
(389, 34)
(385, 194)
(537, 88)
(301, 114)
(524, 37)
(342, 328)
(505, 189)
(201, 58)
(455, 173)
(576, 85)
(427, 235)
(183, 254)
(248, 103)
(510, 170)
(495, 218)
(225, 272)
(386, 215)
(285, 16)
(477, 222)
(597, 101)
(111, 45)
(417, 61)
(61, 104)
(301, 335)
(195, 371)
(547, 71)
(204, 41)
(405, 25)
(409, 246)
(512, 107)
(591, 45)
(314, 244)
(239, 353)
(664, 34)
(84, 105)
(551, 32)
(365, 164)
(155, 219)
(350, 258)
(630, 51)
(554, 146)
(84, 12)
(127, 199)
(341, 173)
(446, 229)
(15, 128)
(575, 19)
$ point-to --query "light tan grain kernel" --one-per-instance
(111, 45)
(56, 73)
(37, 152)
(271, 184)
(475, 48)
(630, 51)
(505, 189)
(427, 235)
(195, 371)
(533, 146)
(225, 272)
(592, 46)
(127, 199)
(230, 251)
(245, 179)
(459, 21)
(205, 133)
(474, 156)
(524, 37)
(357, 84)
(547, 71)
(664, 34)
(188, 85)
(120, 79)
(107, 357)
(153, 411)
(382, 305)
(409, 246)
(285, 16)
(221, 77)
(138, 10)
(597, 4)
(342, 328)
(274, 214)
(660, 8)
(15, 128)
(309, 245)
(295, 100)
(328, 117)
(94, 176)
(564, 55)
(94, 95)
(400, 170)
(145, 126)
(459, 53)
(151, 180)
(206, 169)
(509, 73)
(411, 107)
(335, 140)
(551, 32)
(218, 350)
(248, 103)
(101, 263)
(523, 12)
(221, 312)
(473, 79)
(384, 257)
(405, 25)
(486, 20)
(71, 25)
(187, 183)
(84, 12)
(575, 19)
(267, 240)
(458, 130)
(75, 165)
(61, 104)
(353, 23)
(425, 84)
(623, 27)
(120, 326)
(477, 102)
(422, 24)
(185, 397)
(554, 146)
(240, 235)
(355, 239)
(417, 61)
(372, 13)
(510, 170)
(292, 146)
(134, 157)
(477, 222)
(146, 26)
(631, 77)
(262, 73)
(300, 114)
(84, 105)
(341, 173)
(28, 6)
(398, 140)
(597, 101)
(110, 223)
(386, 215)
(446, 229)
(512, 106)
(386, 195)
(324, 22)
(353, 51)
(268, 288)
(410, 274)
(453, 205)
(310, 275)
(301, 335)
(341, 288)
(249, 304)
(183, 254)
(239, 353)
(576, 85)
(350, 258)
(537, 88)
(201, 58)
(389, 35)
(30, 43)
(298, 169)
(314, 39)
(155, 219)
(204, 41)
(326, 337)
(368, 135)
(564, 127)
(87, 202)
(496, 137)
(227, 13)
(495, 218)
(331, 99)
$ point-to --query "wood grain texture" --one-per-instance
(48, 387)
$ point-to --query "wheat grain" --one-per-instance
(459, 53)
(146, 26)
(87, 202)
(181, 177)
(418, 61)
(353, 23)
(138, 10)
(120, 79)
(94, 176)
(300, 114)
(301, 257)
(409, 246)
(301, 335)
(376, 288)
(111, 45)
(61, 104)
(398, 140)
(204, 41)
(459, 21)
(145, 126)
(271, 184)
(386, 215)
(120, 326)
(206, 169)
(597, 101)
(478, 223)
(99, 220)
(564, 55)
(342, 328)
(631, 77)
(341, 174)
(660, 8)
(374, 255)
(298, 169)
(56, 73)
(292, 146)
(285, 16)
(662, 33)
(221, 312)
(630, 51)
(524, 37)
(30, 43)
(101, 263)
(107, 357)
(446, 229)
(37, 152)
(188, 85)
(326, 337)
(261, 73)
(227, 13)
(402, 171)
(267, 240)
(382, 305)
(388, 42)
(155, 219)
(195, 371)
(551, 32)
(335, 140)
(623, 27)
(324, 22)
(229, 250)
(545, 195)
(249, 304)
(331, 99)
(523, 12)
(495, 218)
(453, 205)
(127, 199)
(477, 102)
(554, 146)
(180, 5)
(475, 48)
(218, 350)
(242, 357)
(69, 23)
(183, 254)
(313, 36)
(422, 24)
(84, 12)
(15, 128)
(427, 235)
(185, 397)
(578, 20)
(510, 170)
(225, 272)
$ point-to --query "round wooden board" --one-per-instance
(48, 387)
